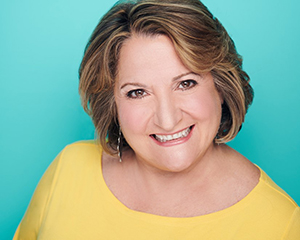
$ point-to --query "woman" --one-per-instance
(165, 88)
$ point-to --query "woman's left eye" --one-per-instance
(187, 84)
(136, 93)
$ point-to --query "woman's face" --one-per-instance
(168, 114)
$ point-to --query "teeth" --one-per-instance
(164, 138)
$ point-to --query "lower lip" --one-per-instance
(175, 141)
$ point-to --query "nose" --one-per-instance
(167, 113)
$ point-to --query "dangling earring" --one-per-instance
(119, 146)
(216, 140)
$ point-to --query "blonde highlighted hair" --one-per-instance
(200, 40)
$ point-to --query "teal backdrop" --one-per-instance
(41, 46)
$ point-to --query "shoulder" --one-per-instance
(82, 149)
(76, 165)
(78, 155)
(271, 204)
(278, 207)
(265, 190)
(275, 195)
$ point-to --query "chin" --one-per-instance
(176, 163)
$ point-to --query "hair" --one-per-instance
(200, 40)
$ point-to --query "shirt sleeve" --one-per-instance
(293, 230)
(31, 222)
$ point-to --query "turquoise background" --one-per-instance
(41, 45)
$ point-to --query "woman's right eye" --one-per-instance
(136, 93)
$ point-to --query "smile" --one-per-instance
(166, 138)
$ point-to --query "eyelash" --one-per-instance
(134, 92)
(140, 93)
(191, 84)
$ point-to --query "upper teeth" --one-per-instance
(164, 138)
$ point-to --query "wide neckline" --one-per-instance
(123, 209)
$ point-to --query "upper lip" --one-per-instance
(166, 134)
(170, 136)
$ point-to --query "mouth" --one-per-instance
(176, 136)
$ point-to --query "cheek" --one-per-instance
(132, 118)
(205, 106)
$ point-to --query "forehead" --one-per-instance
(149, 57)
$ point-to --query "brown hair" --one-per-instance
(200, 40)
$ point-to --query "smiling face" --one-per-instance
(168, 114)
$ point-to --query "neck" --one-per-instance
(153, 179)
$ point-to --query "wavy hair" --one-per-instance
(200, 40)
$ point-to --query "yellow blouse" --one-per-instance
(73, 202)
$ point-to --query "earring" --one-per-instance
(216, 140)
(119, 146)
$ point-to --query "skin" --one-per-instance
(156, 94)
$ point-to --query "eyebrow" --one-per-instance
(183, 75)
(144, 86)
(133, 84)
